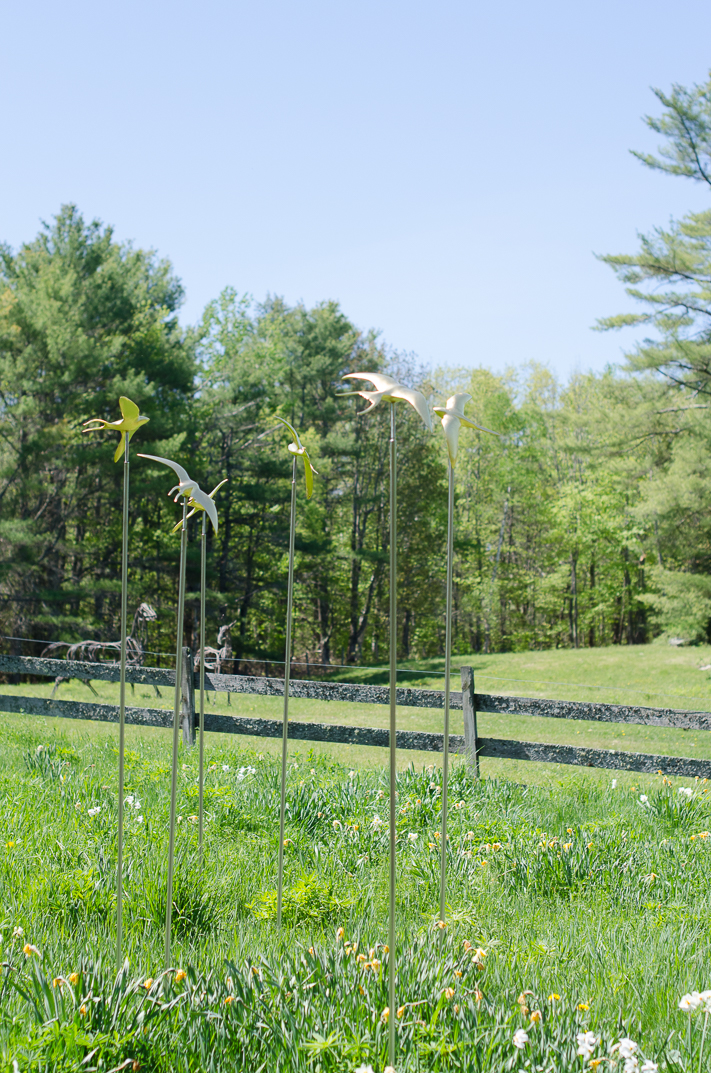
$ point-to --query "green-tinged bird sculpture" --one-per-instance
(189, 488)
(297, 448)
(130, 422)
(196, 506)
(453, 417)
(388, 390)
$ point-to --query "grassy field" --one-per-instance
(576, 906)
(652, 675)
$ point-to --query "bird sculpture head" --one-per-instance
(453, 418)
(388, 390)
(189, 488)
(131, 420)
(297, 448)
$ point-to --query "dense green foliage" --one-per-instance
(587, 522)
(582, 904)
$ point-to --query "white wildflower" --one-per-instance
(520, 1038)
(631, 1065)
(377, 822)
(690, 1002)
(705, 997)
(225, 767)
(364, 1069)
(17, 933)
(648, 1067)
(412, 836)
(627, 1048)
(685, 791)
(614, 783)
(128, 800)
(587, 1042)
(93, 811)
(139, 819)
(643, 798)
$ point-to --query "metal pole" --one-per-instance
(176, 734)
(447, 671)
(393, 731)
(203, 558)
(287, 675)
(122, 709)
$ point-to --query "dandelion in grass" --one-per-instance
(554, 997)
(180, 976)
(587, 1042)
(520, 1038)
(148, 984)
(583, 1007)
(74, 978)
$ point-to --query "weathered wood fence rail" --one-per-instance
(469, 701)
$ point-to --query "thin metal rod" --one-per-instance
(447, 671)
(122, 711)
(176, 729)
(203, 557)
(393, 731)
(287, 675)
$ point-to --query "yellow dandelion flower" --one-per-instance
(74, 978)
(484, 864)
(148, 984)
(180, 976)
(553, 997)
(229, 1000)
(457, 973)
(583, 1006)
(569, 830)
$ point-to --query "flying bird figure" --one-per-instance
(131, 420)
(189, 488)
(453, 417)
(388, 390)
(196, 506)
(297, 448)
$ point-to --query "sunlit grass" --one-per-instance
(578, 889)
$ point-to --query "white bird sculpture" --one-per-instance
(453, 417)
(388, 390)
(189, 488)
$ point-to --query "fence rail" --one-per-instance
(466, 700)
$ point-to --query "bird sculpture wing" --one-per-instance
(180, 473)
(130, 412)
(297, 448)
(203, 502)
(196, 507)
(388, 389)
(453, 418)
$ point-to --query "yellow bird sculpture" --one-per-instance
(297, 448)
(131, 420)
(189, 488)
(453, 418)
(196, 506)
(388, 390)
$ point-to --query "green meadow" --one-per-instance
(579, 902)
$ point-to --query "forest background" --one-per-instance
(587, 522)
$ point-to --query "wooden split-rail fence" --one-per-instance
(468, 701)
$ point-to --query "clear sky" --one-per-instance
(445, 170)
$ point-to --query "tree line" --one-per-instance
(587, 522)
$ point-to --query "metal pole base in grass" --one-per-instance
(201, 762)
(122, 711)
(392, 957)
(176, 734)
(287, 676)
(447, 672)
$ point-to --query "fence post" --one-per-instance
(187, 698)
(469, 711)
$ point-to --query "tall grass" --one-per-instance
(582, 908)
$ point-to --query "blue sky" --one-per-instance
(444, 170)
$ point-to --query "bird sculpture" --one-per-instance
(131, 420)
(388, 390)
(196, 506)
(297, 448)
(189, 488)
(452, 415)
